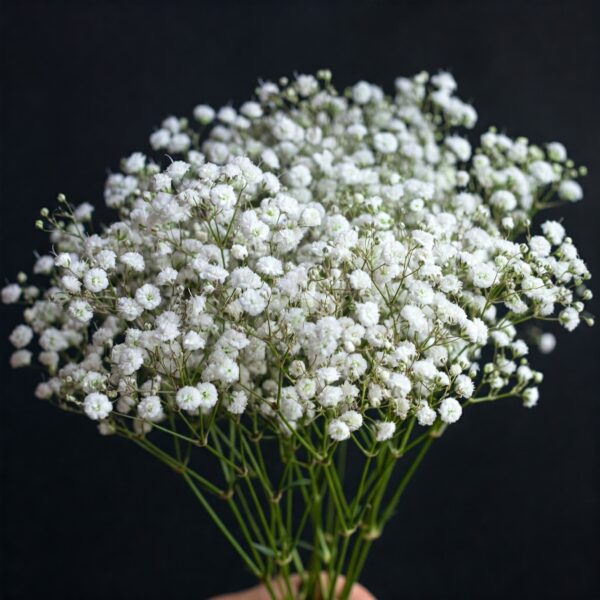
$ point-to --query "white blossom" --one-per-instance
(547, 343)
(20, 358)
(385, 142)
(204, 113)
(95, 280)
(570, 190)
(384, 430)
(208, 395)
(530, 397)
(338, 430)
(81, 310)
(450, 410)
(237, 403)
(133, 260)
(353, 419)
(569, 318)
(148, 296)
(150, 409)
(368, 313)
(425, 414)
(21, 336)
(11, 293)
(188, 398)
(97, 406)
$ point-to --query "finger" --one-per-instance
(360, 593)
(255, 593)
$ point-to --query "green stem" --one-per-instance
(405, 480)
(223, 528)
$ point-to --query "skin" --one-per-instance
(260, 592)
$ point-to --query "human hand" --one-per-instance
(260, 592)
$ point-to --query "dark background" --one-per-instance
(506, 506)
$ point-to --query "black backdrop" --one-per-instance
(506, 506)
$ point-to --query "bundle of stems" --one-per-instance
(299, 503)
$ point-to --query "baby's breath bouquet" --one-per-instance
(312, 289)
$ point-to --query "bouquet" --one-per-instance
(308, 291)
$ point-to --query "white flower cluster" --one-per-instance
(348, 261)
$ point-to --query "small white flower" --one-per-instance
(557, 152)
(570, 190)
(361, 92)
(504, 200)
(226, 114)
(148, 296)
(192, 340)
(547, 343)
(204, 114)
(227, 370)
(43, 391)
(338, 430)
(239, 251)
(160, 139)
(81, 310)
(450, 410)
(311, 217)
(167, 276)
(298, 176)
(530, 397)
(63, 260)
(353, 419)
(384, 430)
(268, 265)
(540, 246)
(253, 302)
(95, 280)
(177, 169)
(208, 395)
(554, 231)
(368, 313)
(151, 409)
(11, 293)
(360, 280)
(133, 260)
(460, 146)
(53, 340)
(106, 259)
(129, 309)
(464, 387)
(483, 275)
(425, 415)
(134, 163)
(569, 318)
(71, 284)
(386, 143)
(161, 182)
(237, 403)
(330, 396)
(542, 172)
(97, 406)
(223, 197)
(43, 265)
(188, 398)
(21, 336)
(129, 360)
(252, 110)
(167, 325)
(20, 358)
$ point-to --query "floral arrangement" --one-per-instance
(313, 289)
